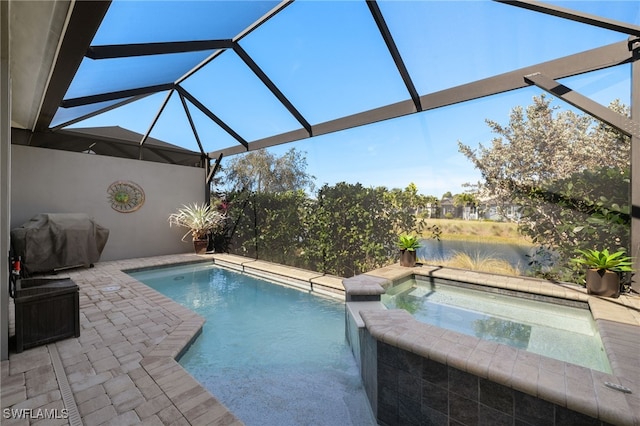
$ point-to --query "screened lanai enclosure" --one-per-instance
(527, 111)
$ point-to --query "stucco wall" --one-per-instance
(5, 176)
(52, 181)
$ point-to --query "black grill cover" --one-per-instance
(54, 241)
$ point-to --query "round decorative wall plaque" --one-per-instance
(125, 197)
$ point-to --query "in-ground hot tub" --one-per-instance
(416, 372)
(558, 328)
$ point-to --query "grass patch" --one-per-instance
(477, 262)
(494, 232)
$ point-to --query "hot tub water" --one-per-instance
(562, 332)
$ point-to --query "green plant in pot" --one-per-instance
(603, 270)
(201, 220)
(408, 245)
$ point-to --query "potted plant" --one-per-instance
(603, 270)
(200, 219)
(408, 245)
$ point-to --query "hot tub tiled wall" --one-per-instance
(415, 373)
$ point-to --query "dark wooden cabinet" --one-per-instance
(46, 310)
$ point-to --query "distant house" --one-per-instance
(494, 210)
(447, 208)
(470, 212)
(490, 209)
(432, 210)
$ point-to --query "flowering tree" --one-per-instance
(568, 172)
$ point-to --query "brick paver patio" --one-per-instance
(121, 370)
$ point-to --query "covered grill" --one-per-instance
(50, 242)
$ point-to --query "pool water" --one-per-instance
(271, 354)
(562, 332)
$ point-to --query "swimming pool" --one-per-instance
(562, 332)
(272, 354)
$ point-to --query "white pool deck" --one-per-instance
(122, 369)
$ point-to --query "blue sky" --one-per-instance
(329, 61)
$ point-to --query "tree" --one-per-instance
(262, 171)
(543, 144)
(345, 230)
(269, 225)
(407, 200)
(352, 230)
(568, 172)
(465, 199)
(468, 201)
